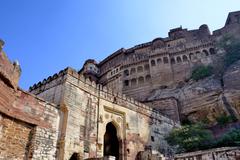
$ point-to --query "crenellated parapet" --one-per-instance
(71, 76)
(49, 82)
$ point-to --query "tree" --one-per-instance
(190, 138)
(201, 72)
(231, 46)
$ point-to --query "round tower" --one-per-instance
(90, 70)
(204, 30)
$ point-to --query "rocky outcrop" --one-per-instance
(232, 87)
(203, 100)
(196, 100)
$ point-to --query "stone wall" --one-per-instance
(28, 124)
(168, 107)
(15, 138)
(9, 72)
(91, 108)
(165, 64)
(225, 153)
(87, 109)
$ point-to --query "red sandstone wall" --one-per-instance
(15, 138)
(9, 72)
(20, 113)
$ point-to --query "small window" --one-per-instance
(132, 71)
(152, 138)
(148, 77)
(153, 63)
(198, 54)
(126, 73)
(191, 56)
(159, 61)
(140, 80)
(212, 51)
(179, 60)
(173, 61)
(165, 60)
(205, 52)
(146, 67)
(139, 69)
(128, 151)
(185, 58)
(126, 83)
(134, 82)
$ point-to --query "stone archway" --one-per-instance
(111, 142)
(75, 156)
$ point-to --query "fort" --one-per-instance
(121, 107)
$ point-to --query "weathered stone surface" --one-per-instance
(232, 87)
(28, 125)
(9, 72)
(225, 153)
(156, 72)
(15, 138)
(196, 100)
(88, 109)
(72, 122)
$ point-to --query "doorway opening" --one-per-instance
(75, 156)
(111, 142)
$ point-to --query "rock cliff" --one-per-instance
(202, 100)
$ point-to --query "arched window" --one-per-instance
(179, 60)
(159, 61)
(185, 58)
(191, 56)
(173, 61)
(165, 60)
(148, 78)
(139, 69)
(205, 52)
(140, 80)
(134, 82)
(198, 54)
(153, 63)
(146, 67)
(126, 83)
(212, 51)
(132, 71)
(126, 72)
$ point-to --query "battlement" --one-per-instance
(102, 91)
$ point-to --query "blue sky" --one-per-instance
(46, 36)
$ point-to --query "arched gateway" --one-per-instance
(111, 142)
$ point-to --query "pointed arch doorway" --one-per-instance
(111, 141)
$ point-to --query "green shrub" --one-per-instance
(231, 138)
(196, 137)
(190, 138)
(223, 119)
(233, 54)
(231, 46)
(201, 72)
